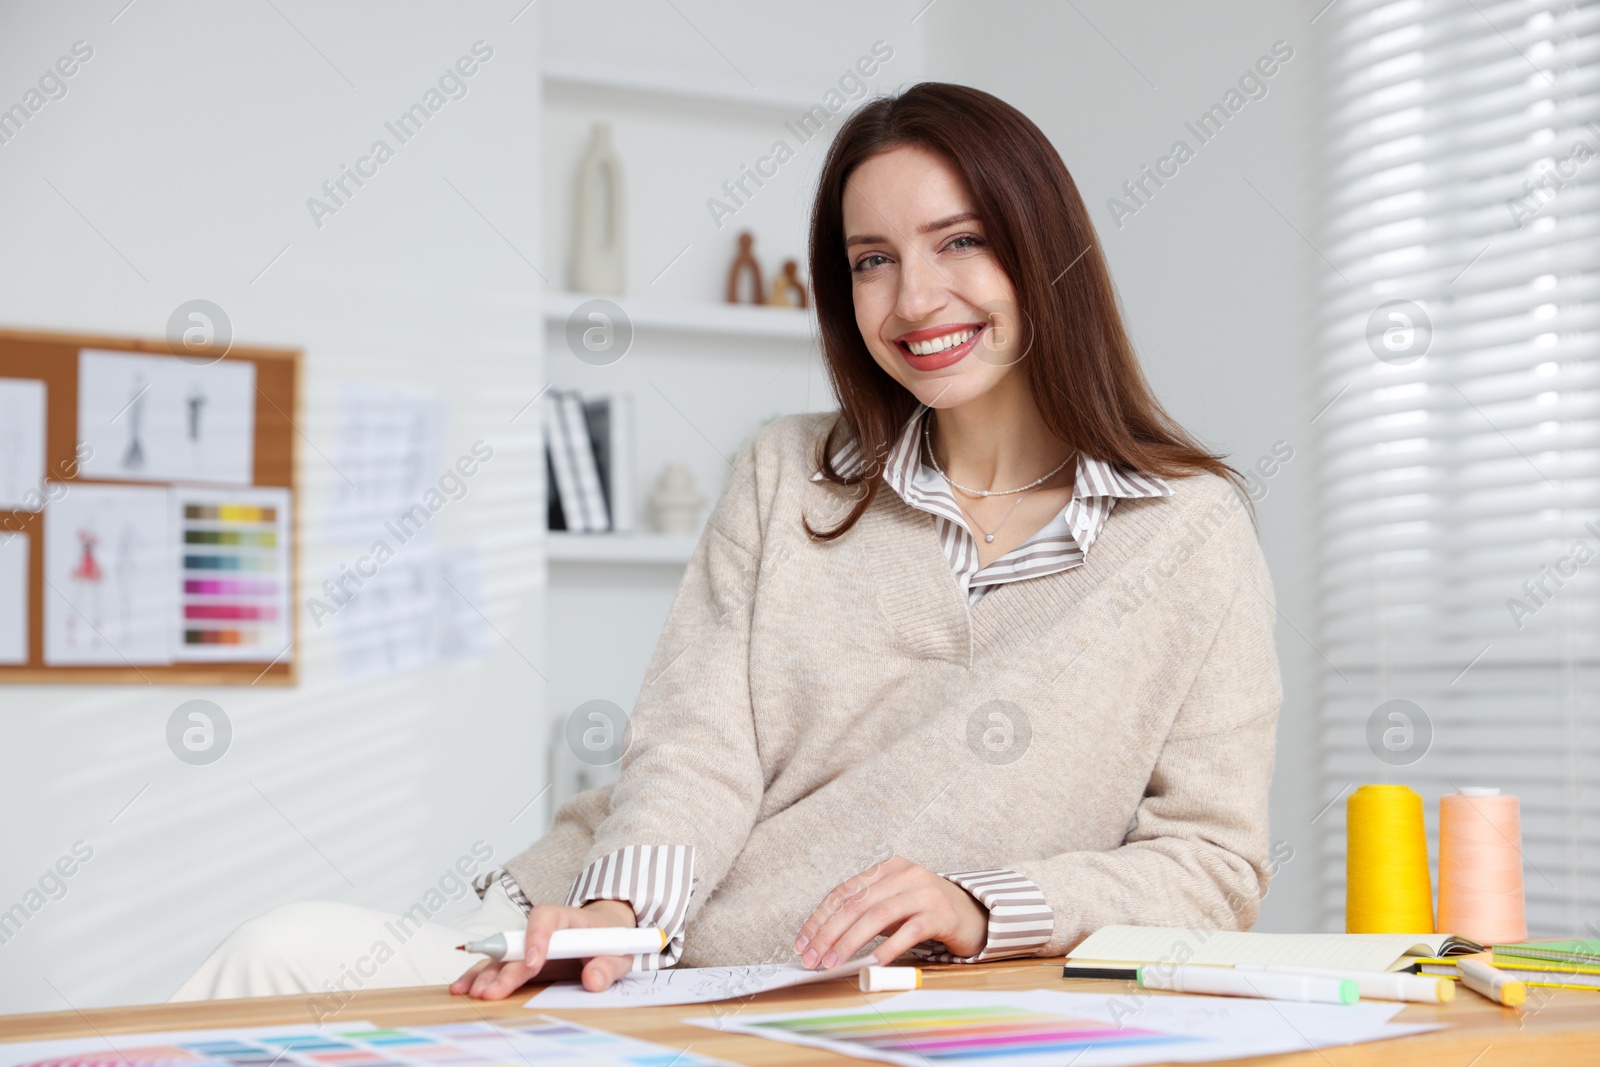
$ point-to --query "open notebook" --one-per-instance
(1111, 946)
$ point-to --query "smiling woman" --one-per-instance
(911, 719)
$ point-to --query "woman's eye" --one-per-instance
(869, 261)
(964, 242)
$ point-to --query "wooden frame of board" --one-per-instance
(53, 358)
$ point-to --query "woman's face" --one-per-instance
(935, 309)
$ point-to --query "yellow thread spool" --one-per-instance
(1387, 887)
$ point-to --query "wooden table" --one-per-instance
(1562, 1027)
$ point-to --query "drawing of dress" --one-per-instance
(89, 573)
(88, 568)
(197, 400)
(133, 456)
(125, 567)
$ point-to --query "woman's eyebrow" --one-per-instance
(930, 227)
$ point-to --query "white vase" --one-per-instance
(675, 504)
(597, 240)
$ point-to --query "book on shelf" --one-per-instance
(589, 458)
(563, 465)
(610, 423)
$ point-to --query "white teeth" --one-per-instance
(939, 344)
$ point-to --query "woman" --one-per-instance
(976, 665)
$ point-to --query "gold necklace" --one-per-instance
(988, 535)
(988, 492)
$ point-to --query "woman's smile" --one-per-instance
(939, 346)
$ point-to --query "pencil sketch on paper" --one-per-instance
(109, 567)
(153, 418)
(22, 418)
(689, 985)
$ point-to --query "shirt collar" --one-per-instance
(1095, 477)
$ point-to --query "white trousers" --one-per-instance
(330, 951)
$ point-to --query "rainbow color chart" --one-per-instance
(543, 1040)
(1011, 1034)
(234, 569)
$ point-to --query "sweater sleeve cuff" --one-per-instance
(656, 880)
(1020, 919)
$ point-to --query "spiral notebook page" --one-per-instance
(1224, 948)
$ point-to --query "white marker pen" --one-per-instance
(576, 943)
(1378, 985)
(1229, 982)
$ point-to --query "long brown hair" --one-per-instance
(1082, 371)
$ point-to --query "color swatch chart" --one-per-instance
(234, 569)
(957, 1033)
(538, 1041)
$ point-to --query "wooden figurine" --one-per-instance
(787, 289)
(745, 260)
(597, 265)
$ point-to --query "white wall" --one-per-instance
(1214, 278)
(178, 166)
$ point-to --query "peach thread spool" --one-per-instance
(1480, 866)
(1387, 886)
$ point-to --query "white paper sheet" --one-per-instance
(110, 575)
(387, 454)
(163, 419)
(422, 609)
(22, 420)
(13, 598)
(688, 985)
(1093, 1030)
(232, 549)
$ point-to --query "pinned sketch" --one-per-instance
(22, 408)
(233, 563)
(109, 573)
(13, 599)
(422, 608)
(153, 418)
(388, 452)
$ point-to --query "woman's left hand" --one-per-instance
(896, 897)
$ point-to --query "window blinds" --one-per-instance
(1459, 362)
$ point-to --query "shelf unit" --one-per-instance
(681, 316)
(642, 548)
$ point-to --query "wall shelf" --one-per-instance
(667, 87)
(683, 316)
(655, 548)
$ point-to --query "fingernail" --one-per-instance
(810, 958)
(800, 943)
(829, 960)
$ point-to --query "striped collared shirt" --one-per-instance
(1058, 545)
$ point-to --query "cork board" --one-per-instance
(53, 358)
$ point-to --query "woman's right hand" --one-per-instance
(496, 979)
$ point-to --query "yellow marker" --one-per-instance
(1488, 982)
(886, 979)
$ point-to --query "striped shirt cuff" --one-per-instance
(656, 880)
(1020, 920)
(482, 883)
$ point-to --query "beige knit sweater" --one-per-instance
(814, 708)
